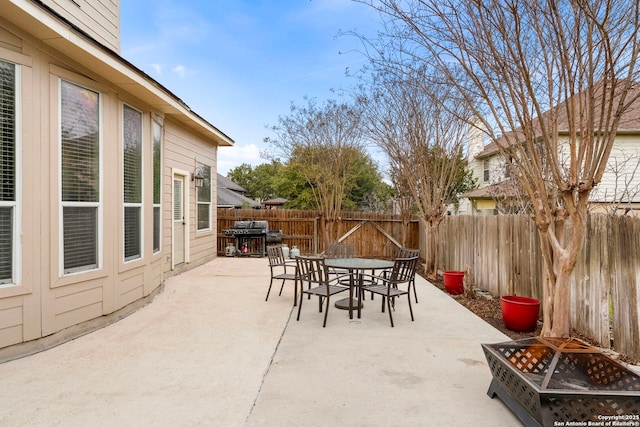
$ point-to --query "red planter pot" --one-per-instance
(453, 283)
(520, 314)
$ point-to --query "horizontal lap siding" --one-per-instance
(99, 18)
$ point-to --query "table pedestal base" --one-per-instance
(343, 304)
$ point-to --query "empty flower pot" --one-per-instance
(520, 314)
(453, 282)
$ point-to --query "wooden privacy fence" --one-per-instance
(503, 255)
(372, 234)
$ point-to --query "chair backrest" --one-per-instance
(275, 254)
(407, 253)
(311, 269)
(404, 270)
(340, 250)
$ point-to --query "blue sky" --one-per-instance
(240, 63)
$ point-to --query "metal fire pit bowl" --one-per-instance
(553, 381)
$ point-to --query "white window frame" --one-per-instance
(62, 204)
(486, 171)
(140, 204)
(158, 205)
(16, 205)
(198, 202)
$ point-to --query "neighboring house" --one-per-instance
(619, 187)
(276, 203)
(233, 196)
(106, 177)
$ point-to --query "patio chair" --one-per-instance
(389, 287)
(315, 274)
(340, 250)
(410, 253)
(282, 269)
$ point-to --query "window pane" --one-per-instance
(6, 245)
(131, 232)
(80, 225)
(79, 128)
(132, 141)
(156, 228)
(157, 150)
(177, 200)
(204, 192)
(7, 130)
(203, 216)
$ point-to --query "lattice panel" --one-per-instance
(515, 385)
(571, 408)
(531, 359)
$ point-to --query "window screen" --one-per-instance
(80, 169)
(7, 168)
(157, 174)
(204, 198)
(132, 145)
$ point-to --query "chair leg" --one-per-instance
(326, 313)
(269, 290)
(389, 308)
(300, 305)
(410, 309)
(415, 295)
(281, 288)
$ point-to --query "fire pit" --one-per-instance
(561, 382)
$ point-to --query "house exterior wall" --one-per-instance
(98, 18)
(45, 300)
(620, 181)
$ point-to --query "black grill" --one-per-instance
(252, 237)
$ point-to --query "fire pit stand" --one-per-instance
(553, 381)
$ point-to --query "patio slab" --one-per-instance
(210, 351)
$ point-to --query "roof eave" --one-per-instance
(59, 34)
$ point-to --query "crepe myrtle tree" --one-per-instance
(323, 143)
(549, 82)
(424, 143)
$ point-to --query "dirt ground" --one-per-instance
(489, 310)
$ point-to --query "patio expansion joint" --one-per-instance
(266, 371)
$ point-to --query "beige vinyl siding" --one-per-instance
(47, 301)
(99, 18)
(182, 152)
(622, 175)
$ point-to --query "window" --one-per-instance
(132, 175)
(80, 180)
(486, 170)
(157, 183)
(8, 168)
(204, 198)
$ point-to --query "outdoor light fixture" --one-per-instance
(199, 179)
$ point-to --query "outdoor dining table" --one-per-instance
(358, 265)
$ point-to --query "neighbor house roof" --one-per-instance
(629, 123)
(57, 32)
(231, 195)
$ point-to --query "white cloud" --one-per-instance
(157, 68)
(180, 70)
(231, 157)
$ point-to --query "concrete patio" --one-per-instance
(209, 351)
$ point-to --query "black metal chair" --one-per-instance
(315, 274)
(282, 269)
(389, 287)
(410, 253)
